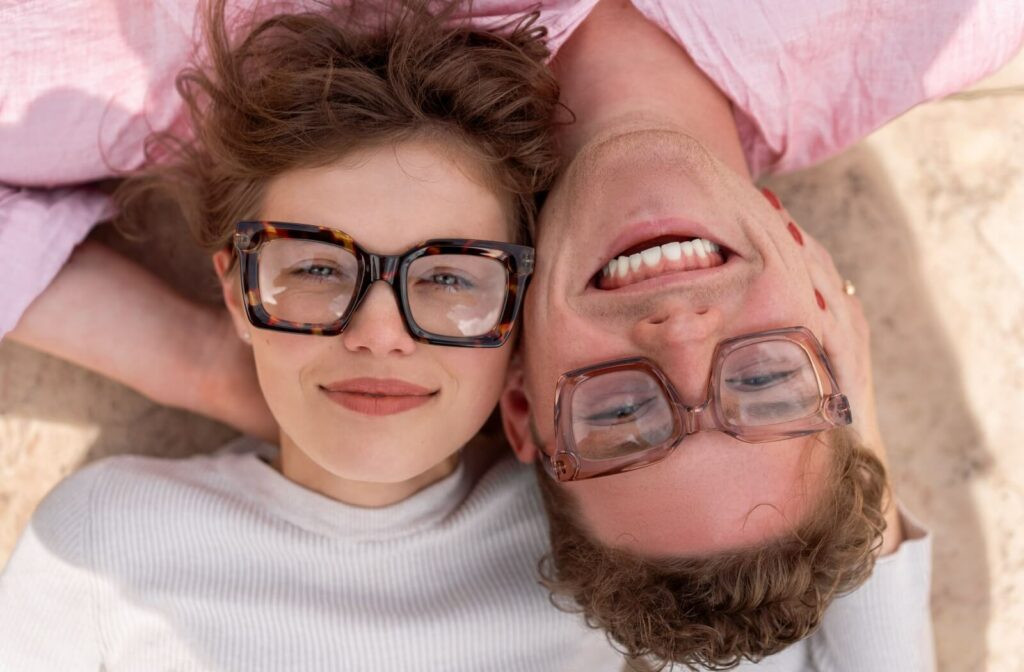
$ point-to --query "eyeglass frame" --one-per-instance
(251, 235)
(567, 464)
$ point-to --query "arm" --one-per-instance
(107, 314)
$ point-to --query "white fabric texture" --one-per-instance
(220, 563)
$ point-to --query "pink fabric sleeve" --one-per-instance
(809, 78)
(38, 231)
(83, 83)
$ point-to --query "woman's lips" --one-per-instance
(378, 396)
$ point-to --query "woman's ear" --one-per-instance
(515, 413)
(231, 290)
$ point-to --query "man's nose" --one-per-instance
(681, 341)
(377, 326)
(672, 325)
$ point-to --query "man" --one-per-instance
(654, 160)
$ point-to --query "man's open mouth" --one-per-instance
(660, 256)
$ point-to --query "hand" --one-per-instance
(225, 385)
(847, 341)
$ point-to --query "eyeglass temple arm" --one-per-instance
(560, 465)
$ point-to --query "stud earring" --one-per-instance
(246, 336)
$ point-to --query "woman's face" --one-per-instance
(373, 405)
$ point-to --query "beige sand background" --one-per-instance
(925, 217)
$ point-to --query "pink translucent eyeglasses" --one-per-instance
(626, 414)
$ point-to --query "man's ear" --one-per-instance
(231, 290)
(515, 412)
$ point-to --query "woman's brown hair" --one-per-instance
(718, 610)
(305, 89)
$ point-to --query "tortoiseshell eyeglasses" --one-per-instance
(311, 279)
(626, 414)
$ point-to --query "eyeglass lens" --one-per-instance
(622, 412)
(314, 282)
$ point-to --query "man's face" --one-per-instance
(636, 191)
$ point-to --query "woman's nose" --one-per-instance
(377, 326)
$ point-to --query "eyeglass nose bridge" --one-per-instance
(378, 267)
(696, 418)
(383, 268)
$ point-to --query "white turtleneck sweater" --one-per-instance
(220, 563)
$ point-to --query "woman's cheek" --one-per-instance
(480, 374)
(283, 369)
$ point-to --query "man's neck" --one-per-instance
(619, 71)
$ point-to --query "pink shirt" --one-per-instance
(83, 82)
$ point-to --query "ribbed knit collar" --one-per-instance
(320, 514)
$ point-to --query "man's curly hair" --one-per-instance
(718, 610)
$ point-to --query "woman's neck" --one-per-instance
(297, 467)
(619, 71)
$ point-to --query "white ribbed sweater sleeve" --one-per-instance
(48, 589)
(885, 625)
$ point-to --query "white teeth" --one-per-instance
(651, 256)
(621, 267)
(696, 250)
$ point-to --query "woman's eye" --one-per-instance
(447, 281)
(621, 413)
(759, 381)
(317, 271)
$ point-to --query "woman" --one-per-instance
(380, 534)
